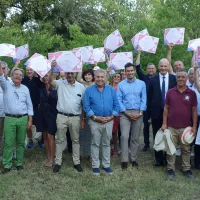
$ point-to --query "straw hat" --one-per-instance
(187, 136)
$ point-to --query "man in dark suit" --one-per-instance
(151, 71)
(157, 89)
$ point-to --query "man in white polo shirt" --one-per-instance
(69, 106)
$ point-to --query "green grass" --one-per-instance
(146, 182)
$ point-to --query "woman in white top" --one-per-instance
(196, 88)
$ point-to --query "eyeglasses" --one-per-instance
(17, 96)
(116, 76)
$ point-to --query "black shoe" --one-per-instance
(170, 173)
(159, 164)
(78, 168)
(134, 164)
(197, 167)
(20, 168)
(145, 148)
(188, 174)
(124, 165)
(56, 168)
(5, 170)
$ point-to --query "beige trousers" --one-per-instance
(73, 123)
(100, 132)
(185, 151)
(135, 126)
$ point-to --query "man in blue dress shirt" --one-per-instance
(131, 96)
(101, 106)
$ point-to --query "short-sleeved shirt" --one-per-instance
(180, 107)
(69, 97)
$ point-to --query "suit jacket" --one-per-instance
(142, 76)
(154, 95)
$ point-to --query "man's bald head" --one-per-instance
(163, 66)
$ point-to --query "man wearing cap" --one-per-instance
(180, 112)
(156, 93)
(101, 106)
(151, 71)
(18, 111)
(131, 96)
(69, 106)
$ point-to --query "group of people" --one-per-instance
(97, 110)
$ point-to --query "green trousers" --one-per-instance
(14, 130)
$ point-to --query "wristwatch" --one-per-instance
(125, 113)
(94, 117)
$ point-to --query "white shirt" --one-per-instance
(190, 85)
(69, 97)
(198, 96)
(166, 82)
(2, 114)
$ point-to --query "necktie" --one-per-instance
(163, 92)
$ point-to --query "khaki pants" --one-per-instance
(1, 134)
(100, 132)
(185, 151)
(73, 123)
(125, 126)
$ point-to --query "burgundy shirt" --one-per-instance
(180, 107)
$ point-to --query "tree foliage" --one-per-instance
(51, 25)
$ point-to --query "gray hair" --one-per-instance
(182, 70)
(190, 70)
(4, 63)
(100, 71)
(12, 72)
(163, 59)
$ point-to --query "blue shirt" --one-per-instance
(17, 100)
(132, 95)
(98, 103)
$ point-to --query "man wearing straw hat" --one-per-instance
(180, 112)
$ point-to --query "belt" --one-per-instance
(15, 116)
(68, 114)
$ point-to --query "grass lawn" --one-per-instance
(146, 182)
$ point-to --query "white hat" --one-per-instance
(169, 145)
(96, 68)
(187, 136)
(159, 143)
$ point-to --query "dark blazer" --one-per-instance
(154, 95)
(142, 76)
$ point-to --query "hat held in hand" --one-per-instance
(187, 136)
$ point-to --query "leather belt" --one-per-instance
(15, 116)
(68, 114)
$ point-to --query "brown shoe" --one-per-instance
(49, 164)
